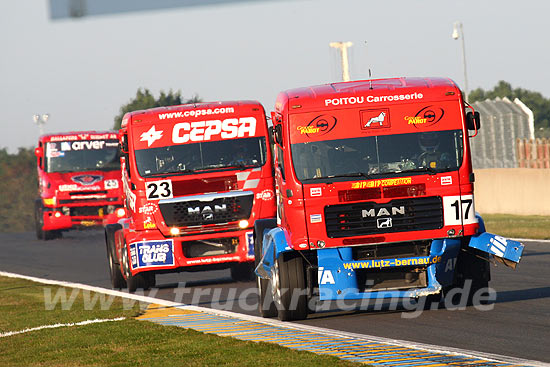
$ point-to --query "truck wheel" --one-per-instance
(38, 220)
(289, 288)
(134, 282)
(41, 234)
(266, 306)
(117, 280)
(472, 270)
(242, 272)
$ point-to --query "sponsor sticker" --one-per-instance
(152, 254)
(111, 184)
(88, 223)
(267, 194)
(375, 119)
(382, 182)
(319, 126)
(151, 135)
(230, 128)
(148, 209)
(250, 243)
(315, 191)
(315, 218)
(87, 180)
(446, 180)
(71, 187)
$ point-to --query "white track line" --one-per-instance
(288, 325)
(54, 326)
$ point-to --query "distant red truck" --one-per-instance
(79, 182)
(195, 178)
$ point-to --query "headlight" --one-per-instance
(174, 231)
(49, 201)
(120, 212)
(243, 224)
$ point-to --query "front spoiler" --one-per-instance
(504, 250)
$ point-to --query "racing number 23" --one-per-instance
(159, 190)
(459, 210)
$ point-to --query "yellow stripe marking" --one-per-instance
(155, 310)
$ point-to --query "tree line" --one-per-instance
(18, 177)
(534, 100)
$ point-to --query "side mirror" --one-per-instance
(39, 152)
(271, 135)
(123, 145)
(473, 120)
(279, 134)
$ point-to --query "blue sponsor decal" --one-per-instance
(250, 243)
(152, 254)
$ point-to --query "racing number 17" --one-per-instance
(459, 210)
(456, 205)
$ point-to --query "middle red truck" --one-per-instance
(195, 179)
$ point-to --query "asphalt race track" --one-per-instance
(517, 324)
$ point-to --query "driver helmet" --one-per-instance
(429, 141)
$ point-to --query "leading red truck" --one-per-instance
(375, 198)
(195, 179)
(78, 182)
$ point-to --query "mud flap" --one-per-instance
(504, 250)
(275, 241)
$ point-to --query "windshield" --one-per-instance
(185, 158)
(378, 155)
(82, 155)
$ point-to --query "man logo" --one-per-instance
(395, 210)
(207, 212)
(383, 223)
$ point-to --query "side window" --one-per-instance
(281, 161)
(41, 160)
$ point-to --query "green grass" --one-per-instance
(120, 343)
(518, 226)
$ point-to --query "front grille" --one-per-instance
(88, 211)
(214, 247)
(89, 200)
(391, 279)
(217, 209)
(400, 215)
(391, 250)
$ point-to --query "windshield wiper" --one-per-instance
(430, 170)
(350, 174)
(168, 173)
(241, 166)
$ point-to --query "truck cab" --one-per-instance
(79, 182)
(195, 179)
(375, 194)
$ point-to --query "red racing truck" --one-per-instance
(195, 178)
(78, 182)
(375, 197)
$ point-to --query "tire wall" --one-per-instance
(520, 191)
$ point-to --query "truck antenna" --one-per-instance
(370, 79)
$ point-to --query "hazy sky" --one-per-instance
(82, 71)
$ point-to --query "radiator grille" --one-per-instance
(400, 215)
(196, 212)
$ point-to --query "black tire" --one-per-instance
(39, 219)
(472, 271)
(41, 234)
(117, 280)
(243, 272)
(141, 280)
(289, 287)
(266, 306)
